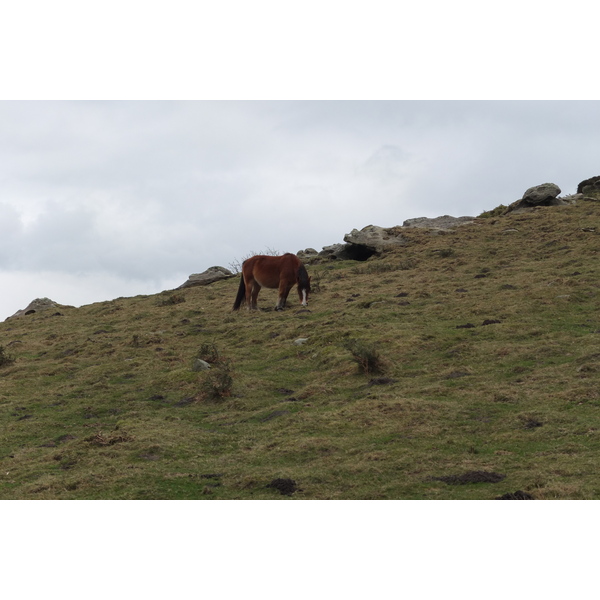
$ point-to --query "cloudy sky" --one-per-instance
(101, 199)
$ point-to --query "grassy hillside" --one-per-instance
(464, 365)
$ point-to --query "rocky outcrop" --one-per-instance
(375, 239)
(35, 306)
(445, 222)
(336, 251)
(307, 254)
(590, 188)
(207, 277)
(359, 245)
(545, 194)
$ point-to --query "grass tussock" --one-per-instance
(5, 358)
(366, 356)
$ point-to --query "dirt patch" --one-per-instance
(285, 391)
(518, 495)
(285, 486)
(457, 375)
(471, 477)
(150, 456)
(274, 415)
(381, 381)
(185, 401)
(211, 475)
(531, 423)
(156, 397)
(100, 439)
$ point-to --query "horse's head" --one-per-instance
(304, 291)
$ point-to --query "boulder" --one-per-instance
(37, 305)
(545, 194)
(445, 222)
(590, 187)
(374, 239)
(200, 365)
(307, 254)
(209, 276)
(370, 240)
(336, 251)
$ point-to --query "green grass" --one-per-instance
(103, 402)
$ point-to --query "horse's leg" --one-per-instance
(254, 295)
(284, 290)
(250, 283)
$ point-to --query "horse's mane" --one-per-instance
(303, 278)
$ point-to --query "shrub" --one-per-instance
(235, 266)
(219, 382)
(172, 300)
(209, 353)
(495, 212)
(366, 356)
(5, 359)
(445, 252)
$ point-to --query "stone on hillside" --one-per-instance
(374, 240)
(209, 276)
(590, 188)
(545, 194)
(336, 251)
(307, 254)
(444, 222)
(200, 365)
(37, 305)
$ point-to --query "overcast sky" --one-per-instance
(117, 198)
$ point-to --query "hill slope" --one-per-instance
(484, 346)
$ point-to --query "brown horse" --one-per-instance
(282, 272)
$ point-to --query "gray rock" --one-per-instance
(307, 254)
(336, 251)
(37, 305)
(444, 222)
(375, 238)
(589, 187)
(300, 341)
(200, 365)
(545, 194)
(209, 276)
(542, 194)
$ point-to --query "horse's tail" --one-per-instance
(241, 295)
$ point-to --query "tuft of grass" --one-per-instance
(209, 352)
(171, 300)
(495, 212)
(5, 358)
(235, 266)
(218, 384)
(366, 356)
